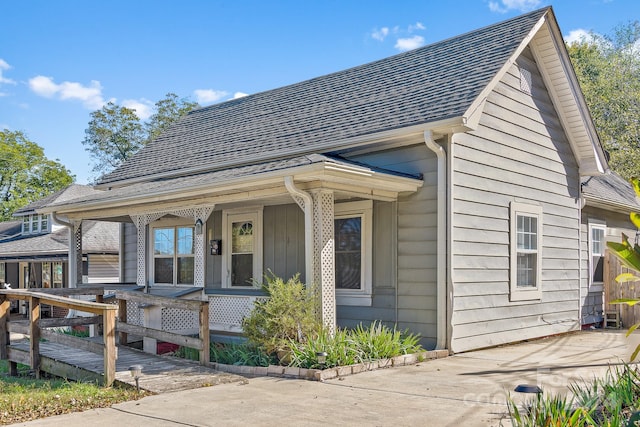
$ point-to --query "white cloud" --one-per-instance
(417, 26)
(409, 43)
(208, 96)
(90, 96)
(380, 34)
(503, 6)
(4, 67)
(577, 36)
(239, 95)
(143, 107)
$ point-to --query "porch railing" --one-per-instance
(36, 329)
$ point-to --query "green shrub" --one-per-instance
(239, 354)
(351, 346)
(288, 315)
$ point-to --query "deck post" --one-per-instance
(34, 332)
(109, 336)
(204, 332)
(122, 318)
(5, 307)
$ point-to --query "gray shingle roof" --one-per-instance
(222, 176)
(435, 82)
(98, 237)
(68, 193)
(610, 188)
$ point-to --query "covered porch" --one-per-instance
(213, 236)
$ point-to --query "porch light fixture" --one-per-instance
(135, 373)
(321, 356)
(198, 226)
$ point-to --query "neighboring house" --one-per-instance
(609, 200)
(34, 250)
(437, 190)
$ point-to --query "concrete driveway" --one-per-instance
(465, 389)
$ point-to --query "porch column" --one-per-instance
(324, 262)
(75, 254)
(140, 222)
(199, 245)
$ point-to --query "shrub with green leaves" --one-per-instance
(287, 316)
(351, 346)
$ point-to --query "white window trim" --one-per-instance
(524, 293)
(363, 209)
(165, 223)
(595, 286)
(233, 215)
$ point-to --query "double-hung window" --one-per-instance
(173, 255)
(526, 252)
(353, 251)
(597, 245)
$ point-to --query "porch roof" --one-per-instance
(242, 184)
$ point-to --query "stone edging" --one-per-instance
(330, 373)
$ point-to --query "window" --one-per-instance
(3, 277)
(35, 223)
(526, 250)
(26, 225)
(57, 275)
(46, 274)
(243, 251)
(597, 245)
(44, 223)
(173, 255)
(353, 249)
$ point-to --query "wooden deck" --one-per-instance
(160, 374)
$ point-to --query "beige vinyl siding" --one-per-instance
(103, 269)
(519, 153)
(413, 221)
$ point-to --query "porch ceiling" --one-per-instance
(255, 184)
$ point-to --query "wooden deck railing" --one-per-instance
(36, 328)
(201, 343)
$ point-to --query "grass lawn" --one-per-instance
(24, 398)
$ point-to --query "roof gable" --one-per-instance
(433, 83)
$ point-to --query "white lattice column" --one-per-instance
(199, 245)
(324, 262)
(75, 254)
(141, 222)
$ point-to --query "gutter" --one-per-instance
(308, 225)
(441, 281)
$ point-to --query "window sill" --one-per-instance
(353, 300)
(526, 295)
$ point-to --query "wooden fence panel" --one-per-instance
(629, 315)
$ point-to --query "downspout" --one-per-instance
(441, 280)
(73, 273)
(308, 225)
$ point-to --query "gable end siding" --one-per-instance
(518, 154)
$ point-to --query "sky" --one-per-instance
(61, 60)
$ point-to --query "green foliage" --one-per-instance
(115, 133)
(240, 354)
(167, 111)
(610, 401)
(26, 175)
(287, 316)
(351, 346)
(608, 69)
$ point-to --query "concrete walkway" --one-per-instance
(466, 389)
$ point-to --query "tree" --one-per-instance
(26, 175)
(167, 111)
(608, 69)
(115, 133)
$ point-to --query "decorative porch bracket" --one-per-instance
(324, 255)
(141, 221)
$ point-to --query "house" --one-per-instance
(608, 201)
(437, 190)
(34, 249)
